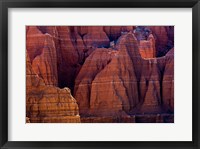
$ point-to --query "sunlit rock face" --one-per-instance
(124, 83)
(163, 39)
(42, 52)
(100, 73)
(47, 103)
(147, 47)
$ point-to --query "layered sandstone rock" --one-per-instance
(92, 66)
(161, 35)
(150, 87)
(68, 50)
(96, 37)
(82, 30)
(42, 52)
(142, 32)
(111, 88)
(164, 37)
(48, 104)
(68, 58)
(168, 81)
(147, 47)
(52, 30)
(114, 32)
(110, 84)
(127, 84)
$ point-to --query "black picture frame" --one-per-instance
(5, 4)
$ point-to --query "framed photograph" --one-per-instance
(112, 74)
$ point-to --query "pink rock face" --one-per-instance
(43, 56)
(48, 104)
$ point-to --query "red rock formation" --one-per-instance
(110, 85)
(49, 29)
(67, 57)
(164, 37)
(128, 28)
(170, 32)
(168, 81)
(147, 47)
(113, 32)
(82, 30)
(150, 88)
(96, 37)
(70, 48)
(161, 34)
(33, 44)
(126, 85)
(79, 44)
(92, 66)
(42, 52)
(48, 104)
(111, 90)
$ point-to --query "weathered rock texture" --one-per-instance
(115, 73)
(48, 104)
(96, 37)
(42, 52)
(92, 66)
(147, 47)
(164, 36)
(124, 83)
(114, 32)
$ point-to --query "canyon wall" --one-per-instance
(47, 103)
(112, 71)
(121, 82)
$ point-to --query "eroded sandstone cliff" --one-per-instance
(115, 73)
(125, 83)
(47, 103)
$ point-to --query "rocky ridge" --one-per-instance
(123, 80)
